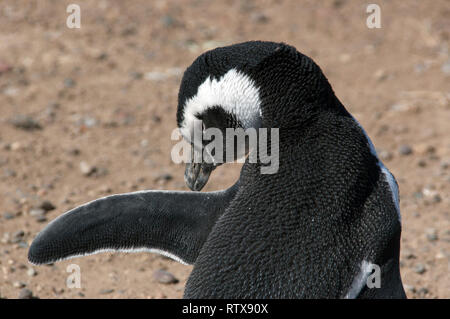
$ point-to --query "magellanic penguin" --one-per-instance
(320, 227)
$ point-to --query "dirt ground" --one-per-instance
(88, 112)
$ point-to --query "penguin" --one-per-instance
(325, 225)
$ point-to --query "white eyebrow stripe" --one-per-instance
(235, 92)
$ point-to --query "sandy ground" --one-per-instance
(105, 95)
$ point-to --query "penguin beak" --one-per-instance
(196, 175)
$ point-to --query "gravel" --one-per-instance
(47, 205)
(25, 122)
(106, 291)
(431, 234)
(86, 169)
(164, 277)
(405, 149)
(31, 272)
(25, 294)
(420, 268)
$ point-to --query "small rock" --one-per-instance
(25, 122)
(17, 236)
(47, 206)
(37, 212)
(5, 238)
(422, 163)
(164, 277)
(136, 75)
(446, 68)
(8, 216)
(106, 291)
(31, 272)
(408, 254)
(259, 17)
(431, 234)
(129, 30)
(9, 173)
(22, 244)
(386, 155)
(410, 288)
(16, 146)
(25, 294)
(74, 152)
(87, 169)
(445, 164)
(422, 292)
(380, 75)
(419, 268)
(168, 21)
(41, 219)
(156, 119)
(165, 177)
(155, 76)
(69, 82)
(345, 57)
(405, 149)
(19, 284)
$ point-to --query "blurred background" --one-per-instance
(88, 112)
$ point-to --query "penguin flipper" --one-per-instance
(175, 224)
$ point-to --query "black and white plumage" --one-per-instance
(312, 230)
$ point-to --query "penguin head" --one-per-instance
(247, 85)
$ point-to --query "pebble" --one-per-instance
(106, 291)
(446, 68)
(259, 17)
(25, 294)
(409, 255)
(74, 152)
(8, 216)
(419, 268)
(380, 75)
(17, 236)
(445, 164)
(164, 277)
(46, 205)
(168, 21)
(431, 234)
(422, 292)
(87, 169)
(386, 155)
(25, 122)
(31, 272)
(5, 238)
(165, 177)
(405, 149)
(422, 163)
(19, 284)
(9, 173)
(41, 219)
(37, 212)
(410, 288)
(69, 82)
(136, 75)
